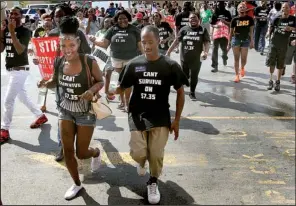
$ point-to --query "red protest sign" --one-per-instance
(170, 20)
(45, 49)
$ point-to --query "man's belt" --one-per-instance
(18, 69)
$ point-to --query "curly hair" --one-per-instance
(122, 12)
(69, 25)
(65, 8)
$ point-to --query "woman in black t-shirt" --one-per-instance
(72, 76)
(125, 44)
(241, 35)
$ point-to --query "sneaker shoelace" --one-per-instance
(152, 189)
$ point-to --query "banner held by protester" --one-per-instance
(45, 49)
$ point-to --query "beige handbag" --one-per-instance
(100, 109)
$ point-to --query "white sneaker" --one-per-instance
(95, 163)
(72, 191)
(141, 170)
(153, 193)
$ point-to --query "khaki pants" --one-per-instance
(149, 145)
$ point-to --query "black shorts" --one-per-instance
(276, 57)
(291, 54)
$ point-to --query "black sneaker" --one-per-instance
(214, 70)
(192, 97)
(224, 62)
(277, 86)
(270, 85)
(60, 155)
(284, 71)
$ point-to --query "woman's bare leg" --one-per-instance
(68, 131)
(84, 135)
(236, 54)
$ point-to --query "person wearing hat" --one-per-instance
(139, 18)
(145, 22)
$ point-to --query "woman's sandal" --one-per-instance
(121, 106)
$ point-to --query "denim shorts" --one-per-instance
(235, 42)
(87, 119)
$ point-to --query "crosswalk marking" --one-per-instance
(121, 158)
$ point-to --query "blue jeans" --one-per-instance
(259, 40)
(235, 42)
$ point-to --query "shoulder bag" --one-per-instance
(100, 109)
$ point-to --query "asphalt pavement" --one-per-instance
(236, 146)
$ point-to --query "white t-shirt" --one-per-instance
(273, 14)
(231, 10)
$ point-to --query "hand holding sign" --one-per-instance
(41, 83)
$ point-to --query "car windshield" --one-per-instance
(32, 11)
(25, 11)
(38, 7)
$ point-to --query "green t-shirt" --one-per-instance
(206, 16)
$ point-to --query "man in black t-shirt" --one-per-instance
(151, 75)
(182, 19)
(60, 12)
(15, 39)
(261, 26)
(195, 44)
(280, 31)
(165, 32)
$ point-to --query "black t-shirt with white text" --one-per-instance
(262, 14)
(13, 59)
(241, 26)
(123, 41)
(280, 37)
(192, 40)
(70, 87)
(151, 82)
(182, 19)
(219, 15)
(164, 32)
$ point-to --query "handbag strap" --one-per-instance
(89, 76)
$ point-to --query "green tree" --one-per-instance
(23, 4)
(54, 1)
